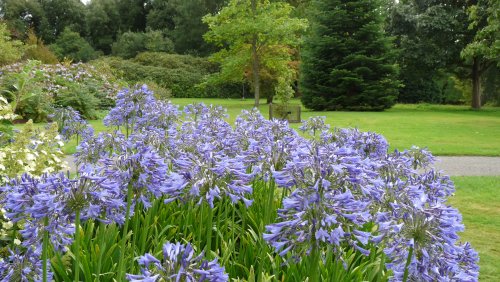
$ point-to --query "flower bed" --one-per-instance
(186, 196)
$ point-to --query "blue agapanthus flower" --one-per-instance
(179, 263)
(70, 122)
(266, 145)
(138, 165)
(49, 203)
(332, 193)
(208, 174)
(23, 266)
(37, 203)
(130, 107)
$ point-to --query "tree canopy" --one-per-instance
(255, 36)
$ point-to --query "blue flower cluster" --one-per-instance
(71, 123)
(342, 188)
(179, 264)
(345, 182)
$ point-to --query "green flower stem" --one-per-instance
(136, 227)
(200, 228)
(218, 224)
(314, 269)
(45, 247)
(408, 261)
(77, 246)
(270, 202)
(121, 262)
(101, 239)
(209, 229)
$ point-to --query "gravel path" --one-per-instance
(469, 166)
(453, 166)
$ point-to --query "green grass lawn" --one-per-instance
(478, 199)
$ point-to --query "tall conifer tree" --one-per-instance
(347, 60)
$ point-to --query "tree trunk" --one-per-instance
(255, 62)
(255, 71)
(476, 85)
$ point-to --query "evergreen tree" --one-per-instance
(347, 58)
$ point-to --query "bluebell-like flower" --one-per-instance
(95, 196)
(431, 232)
(206, 124)
(314, 125)
(138, 165)
(414, 210)
(179, 263)
(266, 145)
(70, 122)
(35, 201)
(130, 107)
(23, 266)
(157, 114)
(330, 202)
(93, 149)
(208, 174)
(366, 144)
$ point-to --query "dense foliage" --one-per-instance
(32, 151)
(34, 88)
(446, 50)
(187, 196)
(179, 74)
(347, 61)
(11, 49)
(70, 45)
(129, 44)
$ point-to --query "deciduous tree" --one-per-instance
(255, 36)
(484, 50)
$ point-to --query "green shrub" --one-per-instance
(22, 85)
(81, 99)
(11, 50)
(179, 73)
(129, 44)
(38, 51)
(156, 41)
(37, 107)
(72, 46)
(33, 88)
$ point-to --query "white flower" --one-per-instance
(30, 157)
(17, 242)
(8, 225)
